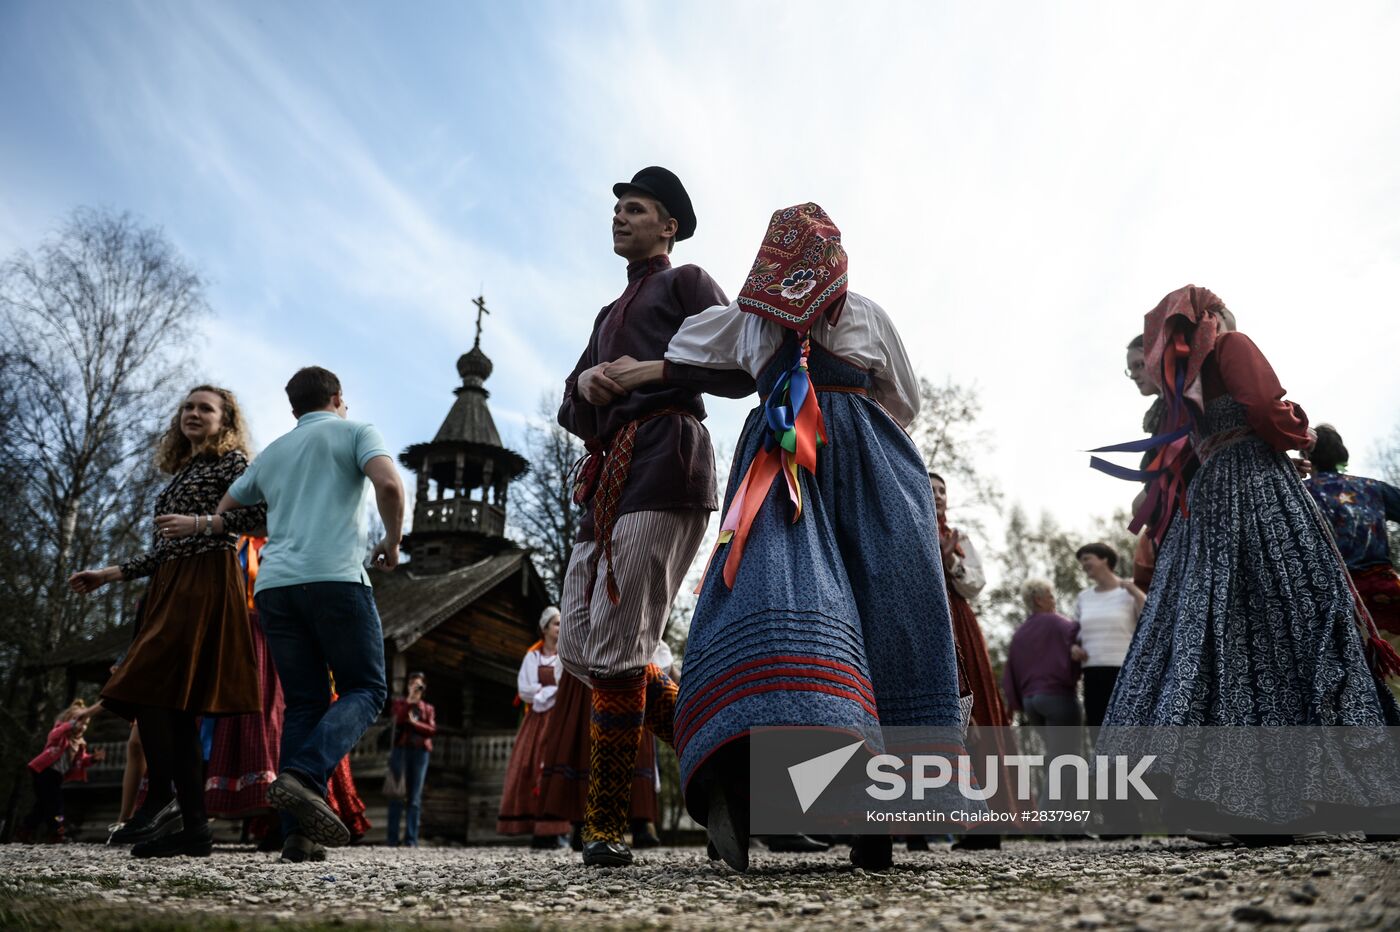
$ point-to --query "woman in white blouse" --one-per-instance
(536, 684)
(1107, 613)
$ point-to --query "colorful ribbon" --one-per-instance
(796, 431)
(1166, 473)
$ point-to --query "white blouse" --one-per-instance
(966, 573)
(724, 337)
(1107, 622)
(527, 684)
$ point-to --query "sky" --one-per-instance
(1016, 184)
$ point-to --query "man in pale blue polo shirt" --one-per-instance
(313, 594)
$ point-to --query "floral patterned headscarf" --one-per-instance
(800, 271)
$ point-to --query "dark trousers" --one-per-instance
(1098, 689)
(47, 815)
(314, 630)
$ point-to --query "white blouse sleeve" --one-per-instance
(896, 385)
(527, 683)
(866, 337)
(724, 337)
(967, 576)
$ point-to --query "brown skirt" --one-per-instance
(564, 760)
(194, 651)
(988, 711)
(520, 800)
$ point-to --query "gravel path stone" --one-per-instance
(1155, 884)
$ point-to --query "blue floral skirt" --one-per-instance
(838, 620)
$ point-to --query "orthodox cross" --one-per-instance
(480, 302)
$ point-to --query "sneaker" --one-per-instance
(195, 842)
(315, 819)
(146, 825)
(300, 848)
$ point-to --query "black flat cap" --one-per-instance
(663, 185)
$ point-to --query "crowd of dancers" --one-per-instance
(829, 600)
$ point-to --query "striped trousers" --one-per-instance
(652, 550)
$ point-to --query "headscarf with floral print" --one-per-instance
(800, 271)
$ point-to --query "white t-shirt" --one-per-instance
(1107, 621)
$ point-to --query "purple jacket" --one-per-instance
(1038, 661)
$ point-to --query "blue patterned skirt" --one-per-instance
(1250, 622)
(839, 620)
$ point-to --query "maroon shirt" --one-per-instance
(1236, 367)
(672, 462)
(1038, 661)
(414, 724)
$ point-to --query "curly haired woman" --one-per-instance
(193, 654)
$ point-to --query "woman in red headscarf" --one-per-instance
(1251, 620)
(824, 603)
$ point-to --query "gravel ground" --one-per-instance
(1028, 885)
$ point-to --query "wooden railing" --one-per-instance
(483, 753)
(460, 514)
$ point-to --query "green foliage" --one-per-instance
(1043, 549)
(95, 336)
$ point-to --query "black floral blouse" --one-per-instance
(197, 489)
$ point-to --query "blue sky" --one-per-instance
(1017, 185)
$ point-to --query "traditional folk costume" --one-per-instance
(824, 603)
(1251, 620)
(564, 763)
(243, 760)
(341, 794)
(648, 484)
(537, 686)
(1358, 508)
(965, 580)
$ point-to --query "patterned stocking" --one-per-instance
(616, 732)
(661, 692)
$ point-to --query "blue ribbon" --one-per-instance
(1145, 444)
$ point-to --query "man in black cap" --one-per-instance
(648, 485)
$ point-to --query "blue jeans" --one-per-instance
(412, 765)
(314, 630)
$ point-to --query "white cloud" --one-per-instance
(1017, 184)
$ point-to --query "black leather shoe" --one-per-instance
(315, 818)
(148, 824)
(873, 852)
(793, 844)
(917, 843)
(644, 837)
(190, 843)
(300, 848)
(606, 854)
(728, 824)
(576, 837)
(978, 843)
